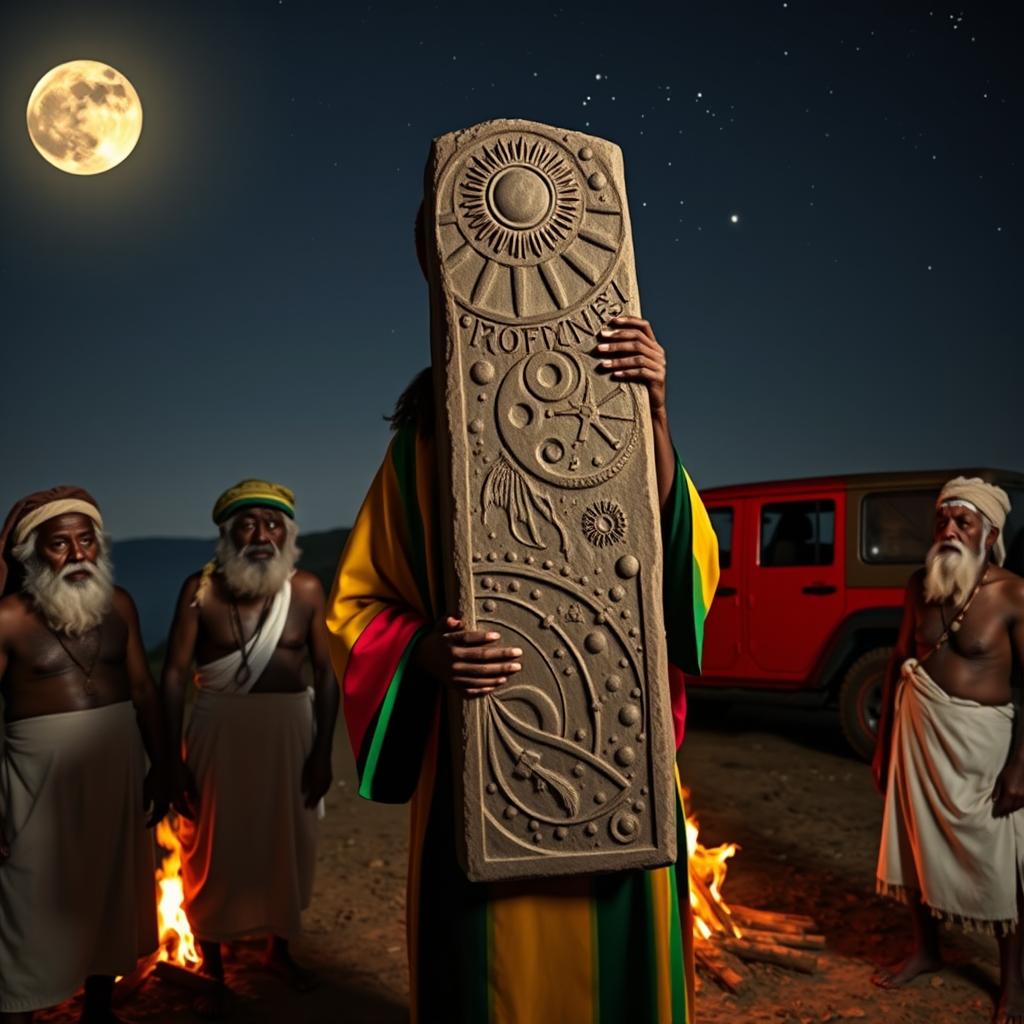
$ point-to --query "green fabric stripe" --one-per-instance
(699, 611)
(403, 458)
(258, 502)
(375, 782)
(675, 955)
(652, 929)
(625, 953)
(681, 581)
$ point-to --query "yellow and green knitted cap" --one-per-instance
(247, 493)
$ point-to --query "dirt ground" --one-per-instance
(781, 784)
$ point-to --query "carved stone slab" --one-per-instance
(553, 539)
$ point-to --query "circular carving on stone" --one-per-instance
(627, 566)
(482, 372)
(625, 756)
(617, 593)
(597, 181)
(520, 197)
(476, 426)
(556, 420)
(604, 524)
(613, 683)
(624, 827)
(629, 715)
(551, 451)
(489, 605)
(550, 376)
(561, 832)
(534, 825)
(516, 236)
(520, 415)
(511, 812)
(535, 594)
(600, 797)
(517, 199)
(595, 642)
(590, 828)
(491, 787)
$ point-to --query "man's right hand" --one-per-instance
(469, 661)
(184, 794)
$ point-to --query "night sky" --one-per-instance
(826, 212)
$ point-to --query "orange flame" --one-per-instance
(177, 943)
(711, 914)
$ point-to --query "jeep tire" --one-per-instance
(860, 699)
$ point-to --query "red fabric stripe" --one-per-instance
(371, 667)
(677, 689)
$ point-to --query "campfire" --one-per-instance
(177, 943)
(176, 960)
(727, 936)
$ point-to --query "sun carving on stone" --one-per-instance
(519, 199)
(604, 524)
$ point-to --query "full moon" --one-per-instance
(84, 117)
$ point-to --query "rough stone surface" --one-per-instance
(552, 517)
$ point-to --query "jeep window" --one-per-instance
(721, 522)
(897, 527)
(798, 533)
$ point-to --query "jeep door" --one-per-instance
(722, 629)
(795, 596)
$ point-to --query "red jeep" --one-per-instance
(811, 592)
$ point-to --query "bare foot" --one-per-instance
(919, 962)
(300, 979)
(212, 1005)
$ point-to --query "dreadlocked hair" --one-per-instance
(415, 405)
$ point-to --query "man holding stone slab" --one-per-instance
(611, 946)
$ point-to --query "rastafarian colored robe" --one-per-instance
(77, 895)
(248, 858)
(577, 951)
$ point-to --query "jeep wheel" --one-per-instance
(860, 700)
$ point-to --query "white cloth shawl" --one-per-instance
(219, 676)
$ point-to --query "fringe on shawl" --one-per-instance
(901, 894)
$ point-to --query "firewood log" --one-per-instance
(778, 955)
(790, 939)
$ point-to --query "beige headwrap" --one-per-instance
(991, 501)
(31, 512)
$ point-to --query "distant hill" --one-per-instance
(152, 570)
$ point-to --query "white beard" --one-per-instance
(952, 574)
(71, 607)
(247, 577)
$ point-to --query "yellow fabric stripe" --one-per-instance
(374, 570)
(661, 900)
(542, 960)
(705, 545)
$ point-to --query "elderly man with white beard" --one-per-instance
(257, 750)
(77, 899)
(948, 758)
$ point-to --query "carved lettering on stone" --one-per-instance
(549, 499)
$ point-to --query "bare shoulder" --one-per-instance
(1010, 587)
(15, 610)
(307, 587)
(123, 600)
(190, 586)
